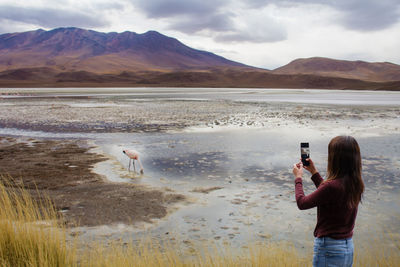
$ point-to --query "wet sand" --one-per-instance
(62, 169)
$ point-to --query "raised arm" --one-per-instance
(317, 179)
(320, 196)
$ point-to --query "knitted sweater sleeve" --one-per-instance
(317, 179)
(320, 196)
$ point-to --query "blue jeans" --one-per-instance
(333, 252)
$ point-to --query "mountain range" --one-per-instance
(75, 49)
(376, 72)
(77, 57)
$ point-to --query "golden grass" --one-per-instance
(379, 252)
(31, 234)
(148, 254)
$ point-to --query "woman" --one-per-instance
(336, 199)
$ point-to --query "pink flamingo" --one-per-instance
(133, 155)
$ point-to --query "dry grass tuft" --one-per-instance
(30, 232)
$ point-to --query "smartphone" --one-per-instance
(305, 153)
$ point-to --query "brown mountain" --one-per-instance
(75, 57)
(74, 49)
(360, 70)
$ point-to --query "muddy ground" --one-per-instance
(62, 170)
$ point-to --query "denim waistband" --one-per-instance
(326, 239)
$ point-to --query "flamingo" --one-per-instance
(133, 155)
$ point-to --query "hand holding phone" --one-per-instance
(305, 153)
(297, 170)
(311, 167)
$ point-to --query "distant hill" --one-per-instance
(74, 49)
(76, 57)
(218, 78)
(361, 70)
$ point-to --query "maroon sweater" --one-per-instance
(334, 218)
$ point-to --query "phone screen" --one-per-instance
(305, 153)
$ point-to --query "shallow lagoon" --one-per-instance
(246, 154)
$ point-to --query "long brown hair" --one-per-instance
(344, 161)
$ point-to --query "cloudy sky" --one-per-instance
(262, 33)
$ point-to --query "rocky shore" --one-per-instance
(61, 169)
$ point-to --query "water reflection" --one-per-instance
(252, 169)
(310, 96)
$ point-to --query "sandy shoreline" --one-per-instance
(62, 170)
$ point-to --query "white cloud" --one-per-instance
(254, 26)
(264, 34)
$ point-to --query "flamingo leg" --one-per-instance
(141, 166)
(134, 166)
(129, 166)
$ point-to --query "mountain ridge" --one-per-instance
(78, 49)
(79, 57)
(362, 70)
